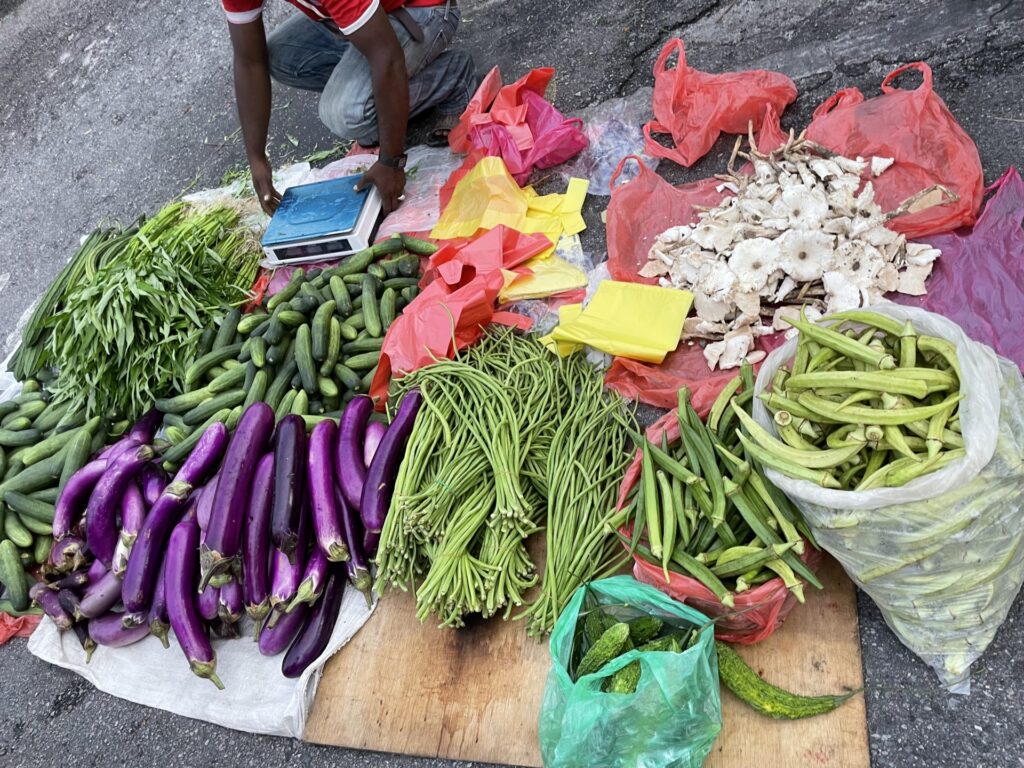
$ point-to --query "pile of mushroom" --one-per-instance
(801, 228)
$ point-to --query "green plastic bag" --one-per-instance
(673, 717)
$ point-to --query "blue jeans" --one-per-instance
(306, 54)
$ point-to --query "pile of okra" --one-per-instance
(307, 350)
(867, 402)
(704, 509)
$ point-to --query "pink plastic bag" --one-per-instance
(929, 146)
(696, 107)
(978, 282)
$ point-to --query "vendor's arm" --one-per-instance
(252, 94)
(377, 41)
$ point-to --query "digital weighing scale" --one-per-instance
(322, 221)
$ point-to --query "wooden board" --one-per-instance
(474, 694)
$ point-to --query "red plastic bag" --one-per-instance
(695, 107)
(658, 385)
(17, 626)
(643, 208)
(917, 130)
(758, 612)
(451, 312)
(517, 124)
(978, 282)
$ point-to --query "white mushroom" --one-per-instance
(786, 287)
(730, 351)
(712, 236)
(805, 208)
(919, 254)
(880, 235)
(654, 268)
(912, 280)
(854, 167)
(755, 209)
(824, 168)
(879, 164)
(841, 293)
(756, 356)
(847, 182)
(859, 261)
(707, 308)
(752, 261)
(748, 303)
(804, 254)
(888, 278)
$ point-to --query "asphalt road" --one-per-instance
(108, 109)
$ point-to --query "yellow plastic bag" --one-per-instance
(488, 196)
(641, 322)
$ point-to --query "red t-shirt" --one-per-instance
(349, 15)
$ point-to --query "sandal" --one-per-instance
(438, 137)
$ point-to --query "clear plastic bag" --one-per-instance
(943, 555)
(675, 714)
(426, 171)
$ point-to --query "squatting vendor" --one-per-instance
(376, 63)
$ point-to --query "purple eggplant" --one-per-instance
(230, 605)
(219, 551)
(147, 553)
(380, 477)
(109, 630)
(226, 630)
(101, 513)
(50, 603)
(207, 602)
(316, 633)
(142, 431)
(133, 515)
(72, 500)
(113, 451)
(67, 554)
(326, 524)
(158, 624)
(136, 619)
(289, 482)
(81, 630)
(348, 460)
(204, 504)
(74, 580)
(280, 629)
(154, 480)
(96, 571)
(100, 597)
(356, 568)
(180, 592)
(371, 441)
(256, 549)
(313, 580)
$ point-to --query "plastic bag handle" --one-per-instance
(839, 98)
(673, 44)
(920, 66)
(621, 165)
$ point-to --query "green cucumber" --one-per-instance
(250, 374)
(230, 379)
(280, 351)
(56, 441)
(300, 405)
(206, 341)
(286, 293)
(362, 361)
(377, 271)
(15, 531)
(12, 574)
(258, 389)
(333, 347)
(275, 331)
(258, 351)
(321, 329)
(228, 327)
(349, 332)
(7, 407)
(42, 547)
(200, 367)
(183, 403)
(79, 451)
(49, 495)
(280, 384)
(285, 406)
(367, 344)
(290, 318)
(418, 246)
(30, 385)
(234, 416)
(355, 263)
(34, 396)
(327, 386)
(390, 267)
(368, 379)
(349, 378)
(304, 358)
(388, 246)
(176, 454)
(51, 417)
(410, 292)
(19, 424)
(33, 526)
(202, 412)
(388, 309)
(402, 282)
(304, 303)
(251, 322)
(341, 295)
(14, 439)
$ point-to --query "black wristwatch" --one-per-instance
(392, 162)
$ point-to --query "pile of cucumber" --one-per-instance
(307, 350)
(41, 445)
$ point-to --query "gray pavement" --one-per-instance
(111, 108)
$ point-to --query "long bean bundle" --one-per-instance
(133, 307)
(509, 440)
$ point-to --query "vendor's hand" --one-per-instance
(263, 183)
(390, 183)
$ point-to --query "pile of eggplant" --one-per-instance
(267, 522)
